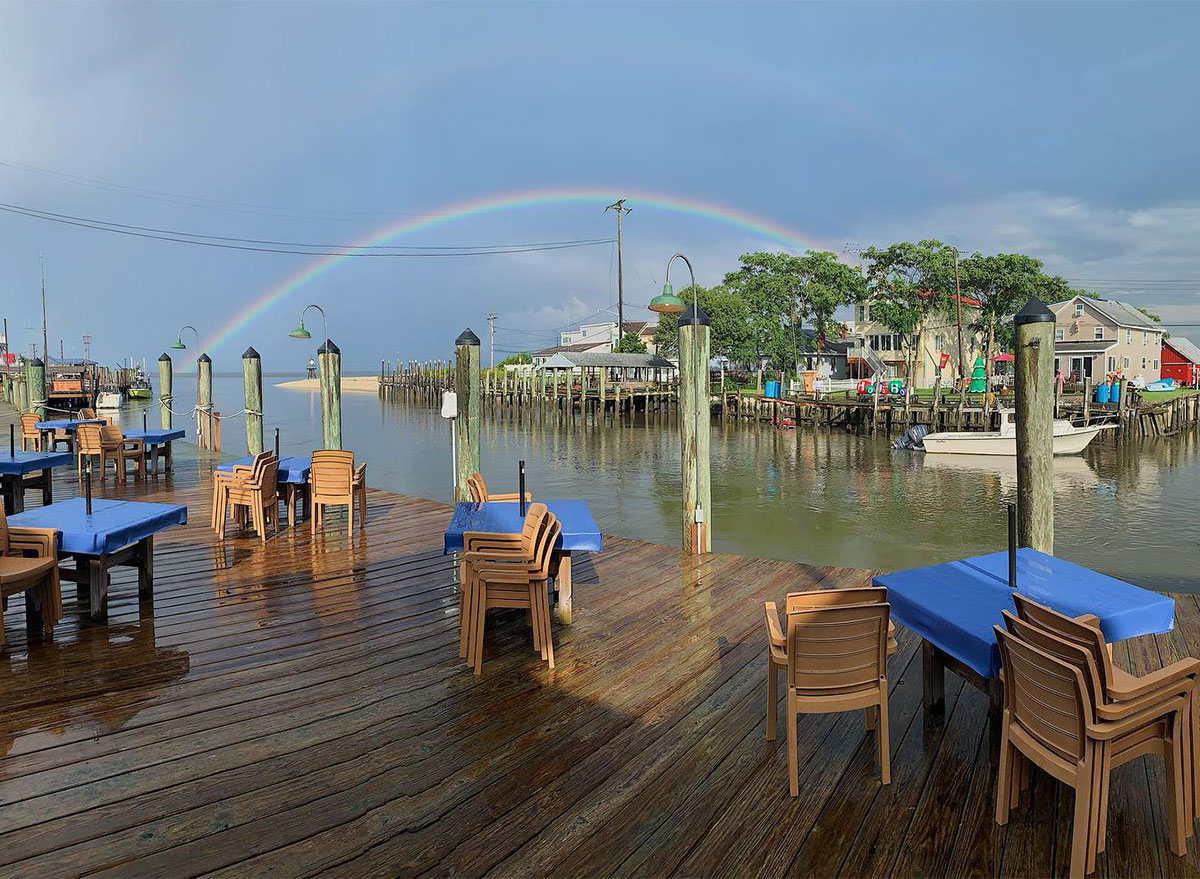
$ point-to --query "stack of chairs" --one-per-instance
(334, 481)
(480, 495)
(249, 490)
(1072, 713)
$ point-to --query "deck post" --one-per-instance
(252, 384)
(204, 428)
(1034, 385)
(329, 357)
(166, 382)
(694, 429)
(466, 385)
(35, 372)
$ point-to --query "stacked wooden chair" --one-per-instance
(509, 571)
(360, 493)
(120, 449)
(834, 654)
(252, 492)
(31, 437)
(1069, 711)
(29, 564)
(479, 493)
(332, 483)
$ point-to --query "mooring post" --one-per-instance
(466, 385)
(36, 380)
(204, 423)
(329, 357)
(252, 383)
(694, 430)
(1034, 384)
(166, 382)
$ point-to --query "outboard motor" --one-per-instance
(912, 437)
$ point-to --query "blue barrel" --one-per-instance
(773, 390)
(1102, 392)
(1114, 395)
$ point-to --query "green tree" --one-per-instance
(728, 325)
(1002, 283)
(908, 283)
(630, 344)
(516, 359)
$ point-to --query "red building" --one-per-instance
(1181, 361)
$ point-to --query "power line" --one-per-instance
(298, 249)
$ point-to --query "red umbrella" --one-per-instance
(1003, 358)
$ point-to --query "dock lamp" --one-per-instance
(301, 333)
(668, 303)
(178, 344)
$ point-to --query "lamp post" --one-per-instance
(329, 359)
(693, 398)
(204, 426)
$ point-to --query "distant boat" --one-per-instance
(1068, 439)
(140, 388)
(1161, 386)
(108, 400)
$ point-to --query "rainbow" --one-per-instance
(503, 202)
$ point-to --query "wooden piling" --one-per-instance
(166, 384)
(35, 381)
(466, 386)
(204, 425)
(329, 359)
(1034, 379)
(252, 385)
(694, 429)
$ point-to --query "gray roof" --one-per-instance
(1085, 346)
(1121, 313)
(1184, 347)
(601, 359)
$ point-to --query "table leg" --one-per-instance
(995, 693)
(562, 585)
(289, 495)
(167, 457)
(154, 459)
(305, 500)
(97, 575)
(145, 567)
(933, 678)
(47, 488)
(14, 493)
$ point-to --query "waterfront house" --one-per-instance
(597, 337)
(1181, 361)
(1094, 338)
(937, 344)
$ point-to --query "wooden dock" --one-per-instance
(300, 708)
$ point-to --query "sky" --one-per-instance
(1067, 132)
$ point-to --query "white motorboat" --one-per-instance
(1068, 439)
(108, 400)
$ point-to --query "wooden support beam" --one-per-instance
(252, 385)
(1034, 380)
(166, 386)
(329, 362)
(694, 428)
(204, 430)
(466, 385)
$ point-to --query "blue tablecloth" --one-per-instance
(294, 470)
(67, 424)
(154, 437)
(29, 462)
(112, 525)
(955, 605)
(579, 529)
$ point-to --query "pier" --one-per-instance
(300, 708)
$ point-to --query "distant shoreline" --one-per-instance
(351, 384)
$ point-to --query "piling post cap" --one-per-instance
(693, 316)
(204, 358)
(327, 347)
(37, 361)
(164, 357)
(466, 337)
(250, 354)
(1033, 312)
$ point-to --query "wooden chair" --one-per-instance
(1050, 719)
(31, 437)
(1117, 687)
(258, 492)
(837, 661)
(777, 644)
(480, 494)
(517, 548)
(498, 583)
(221, 482)
(331, 484)
(29, 564)
(86, 414)
(360, 488)
(116, 447)
(87, 445)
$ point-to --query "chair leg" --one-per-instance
(772, 697)
(1175, 792)
(480, 618)
(882, 735)
(1082, 817)
(463, 617)
(350, 518)
(1004, 778)
(544, 610)
(793, 756)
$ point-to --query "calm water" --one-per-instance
(812, 496)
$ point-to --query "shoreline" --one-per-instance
(351, 384)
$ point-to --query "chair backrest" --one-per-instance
(1046, 697)
(110, 434)
(1068, 651)
(268, 477)
(87, 436)
(531, 528)
(837, 649)
(28, 420)
(332, 473)
(797, 601)
(1088, 637)
(87, 413)
(477, 489)
(544, 546)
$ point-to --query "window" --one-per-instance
(1156, 364)
(1129, 337)
(1124, 363)
(1059, 334)
(1099, 333)
(1145, 338)
(1078, 308)
(1143, 363)
(1112, 364)
(938, 342)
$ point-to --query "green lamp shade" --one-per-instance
(179, 346)
(667, 302)
(300, 332)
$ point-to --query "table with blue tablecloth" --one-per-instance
(292, 477)
(953, 607)
(21, 471)
(115, 533)
(158, 441)
(580, 533)
(67, 425)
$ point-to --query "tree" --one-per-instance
(729, 335)
(908, 283)
(630, 344)
(1002, 283)
(516, 359)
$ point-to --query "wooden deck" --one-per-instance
(301, 709)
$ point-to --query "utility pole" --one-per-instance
(491, 319)
(962, 366)
(45, 344)
(619, 207)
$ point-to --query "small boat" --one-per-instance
(108, 400)
(1068, 439)
(1161, 386)
(139, 388)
